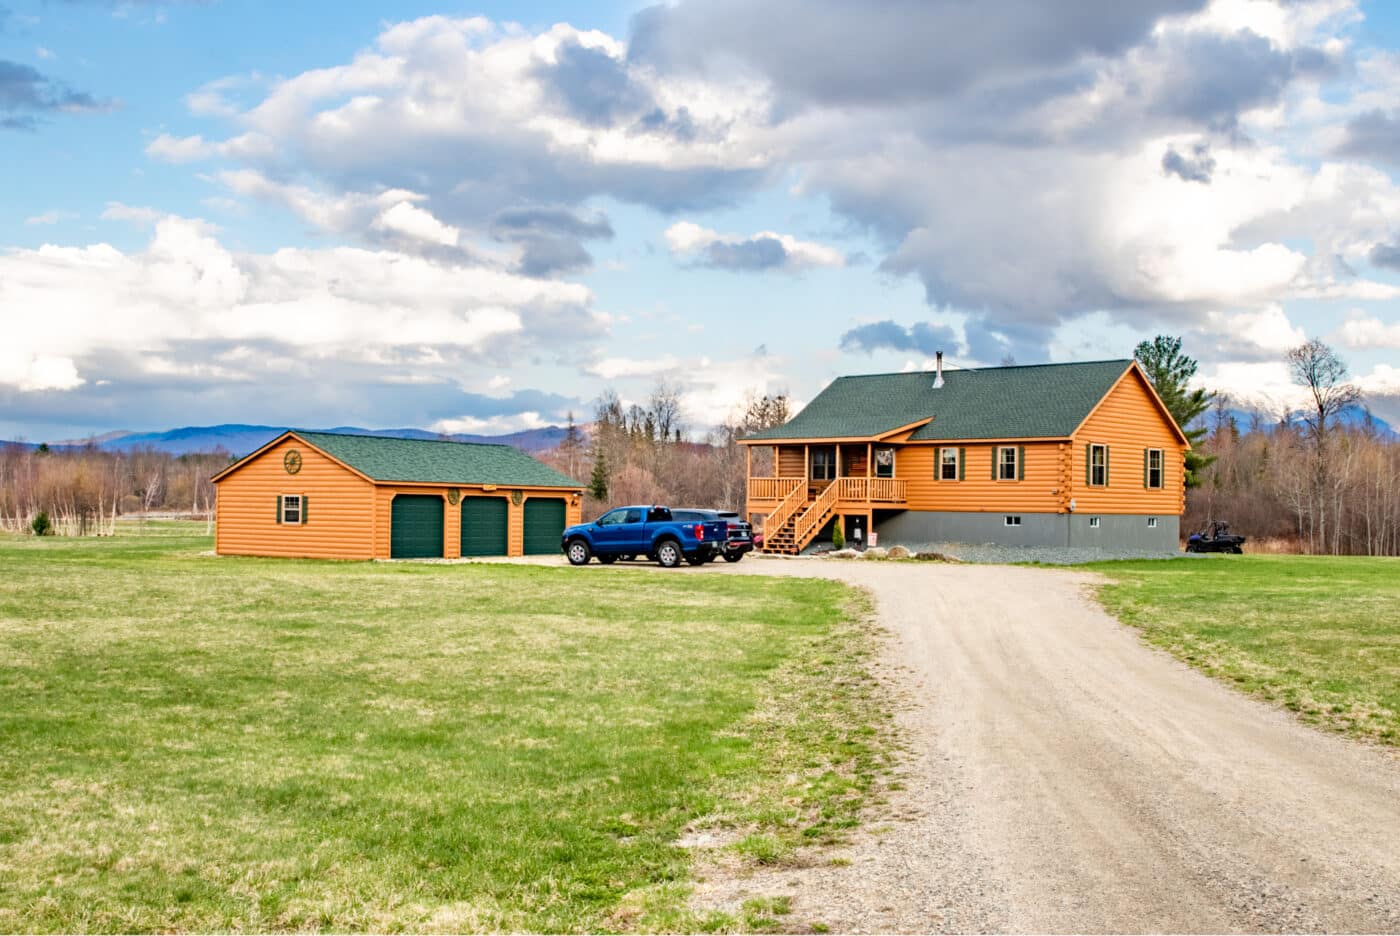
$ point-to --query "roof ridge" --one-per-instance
(994, 367)
(391, 438)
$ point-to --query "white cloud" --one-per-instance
(141, 215)
(764, 250)
(1366, 332)
(492, 425)
(614, 368)
(196, 148)
(417, 223)
(53, 216)
(337, 303)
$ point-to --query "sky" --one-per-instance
(477, 218)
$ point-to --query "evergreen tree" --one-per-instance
(598, 485)
(1170, 372)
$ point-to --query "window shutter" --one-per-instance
(962, 461)
(1089, 464)
(1020, 463)
(996, 453)
(1105, 466)
(938, 464)
(1147, 468)
(279, 508)
(303, 510)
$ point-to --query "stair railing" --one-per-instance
(784, 512)
(806, 525)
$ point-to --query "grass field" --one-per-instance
(189, 742)
(1320, 636)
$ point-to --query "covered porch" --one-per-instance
(854, 477)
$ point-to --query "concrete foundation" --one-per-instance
(1112, 532)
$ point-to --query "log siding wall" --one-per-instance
(1129, 423)
(339, 508)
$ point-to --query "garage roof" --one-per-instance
(427, 461)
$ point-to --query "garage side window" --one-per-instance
(292, 509)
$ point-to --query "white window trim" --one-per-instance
(875, 462)
(1015, 462)
(285, 509)
(1094, 448)
(1012, 520)
(1152, 523)
(1161, 469)
(1095, 523)
(956, 466)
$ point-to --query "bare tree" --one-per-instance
(1316, 367)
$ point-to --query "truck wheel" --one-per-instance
(578, 552)
(668, 553)
(733, 557)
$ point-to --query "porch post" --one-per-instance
(869, 456)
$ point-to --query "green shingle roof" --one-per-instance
(1039, 401)
(434, 462)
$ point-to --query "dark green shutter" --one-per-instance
(1147, 468)
(996, 453)
(1020, 463)
(303, 510)
(1105, 466)
(1089, 464)
(938, 464)
(962, 462)
(279, 508)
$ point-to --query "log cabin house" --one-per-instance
(1047, 455)
(386, 498)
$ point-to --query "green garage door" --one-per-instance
(415, 531)
(544, 523)
(484, 526)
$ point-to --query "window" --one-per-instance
(1094, 523)
(1152, 523)
(948, 462)
(1007, 463)
(823, 464)
(1098, 465)
(884, 463)
(654, 515)
(620, 516)
(1153, 468)
(1013, 521)
(291, 509)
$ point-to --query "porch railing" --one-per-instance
(773, 488)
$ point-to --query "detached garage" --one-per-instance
(384, 498)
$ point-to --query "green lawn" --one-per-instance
(1320, 636)
(189, 742)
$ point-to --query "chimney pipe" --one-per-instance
(938, 375)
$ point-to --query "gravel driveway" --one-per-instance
(1065, 777)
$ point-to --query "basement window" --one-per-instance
(1094, 523)
(1152, 523)
(291, 508)
(1013, 521)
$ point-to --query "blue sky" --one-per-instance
(478, 217)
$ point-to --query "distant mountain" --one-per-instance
(239, 440)
(1384, 412)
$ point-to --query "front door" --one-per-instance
(822, 467)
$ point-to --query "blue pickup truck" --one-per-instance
(644, 531)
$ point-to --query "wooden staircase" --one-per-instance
(798, 521)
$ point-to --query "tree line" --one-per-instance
(81, 490)
(1307, 477)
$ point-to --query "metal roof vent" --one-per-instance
(938, 374)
